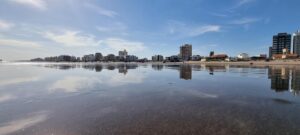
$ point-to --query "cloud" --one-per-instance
(4, 25)
(39, 4)
(17, 125)
(19, 43)
(69, 38)
(18, 80)
(100, 10)
(204, 29)
(183, 30)
(71, 84)
(72, 38)
(74, 83)
(120, 44)
(243, 2)
(243, 21)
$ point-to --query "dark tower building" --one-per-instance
(270, 52)
(281, 41)
(98, 57)
(186, 52)
(212, 53)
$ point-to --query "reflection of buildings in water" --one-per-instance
(295, 86)
(123, 68)
(196, 67)
(279, 78)
(215, 68)
(285, 79)
(89, 67)
(211, 70)
(61, 66)
(92, 67)
(157, 66)
(98, 68)
(186, 72)
(110, 67)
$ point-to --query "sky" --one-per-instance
(40, 28)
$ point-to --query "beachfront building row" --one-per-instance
(97, 57)
(285, 46)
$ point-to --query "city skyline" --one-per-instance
(41, 28)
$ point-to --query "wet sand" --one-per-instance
(286, 62)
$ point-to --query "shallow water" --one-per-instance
(145, 99)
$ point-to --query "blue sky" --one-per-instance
(39, 28)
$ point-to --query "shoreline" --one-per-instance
(248, 63)
(262, 63)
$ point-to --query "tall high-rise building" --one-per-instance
(123, 54)
(270, 52)
(296, 43)
(281, 41)
(186, 52)
(98, 57)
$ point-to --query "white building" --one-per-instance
(123, 54)
(243, 56)
(296, 43)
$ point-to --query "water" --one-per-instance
(145, 99)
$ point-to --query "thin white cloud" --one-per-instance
(243, 21)
(204, 29)
(19, 43)
(39, 4)
(120, 44)
(17, 125)
(243, 2)
(100, 10)
(72, 38)
(4, 25)
(183, 30)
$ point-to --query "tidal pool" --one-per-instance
(148, 99)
